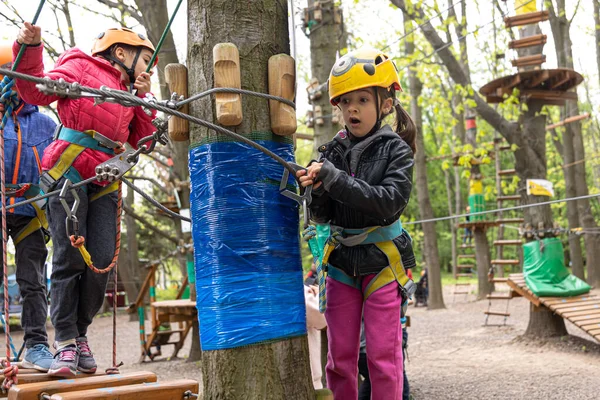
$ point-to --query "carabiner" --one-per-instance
(304, 198)
(71, 222)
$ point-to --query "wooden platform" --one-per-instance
(550, 85)
(582, 310)
(476, 224)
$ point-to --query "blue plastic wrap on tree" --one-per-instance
(246, 246)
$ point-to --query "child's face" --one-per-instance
(127, 58)
(359, 109)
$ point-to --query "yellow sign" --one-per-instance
(540, 187)
(525, 6)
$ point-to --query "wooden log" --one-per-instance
(226, 66)
(282, 83)
(176, 78)
(147, 391)
(568, 121)
(33, 391)
(44, 377)
(529, 41)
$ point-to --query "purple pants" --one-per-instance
(383, 333)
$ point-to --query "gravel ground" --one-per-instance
(451, 355)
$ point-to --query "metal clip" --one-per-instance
(71, 222)
(305, 196)
(113, 169)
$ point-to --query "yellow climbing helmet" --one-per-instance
(6, 57)
(359, 69)
(121, 35)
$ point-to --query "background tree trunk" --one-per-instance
(278, 370)
(436, 298)
(560, 26)
(324, 44)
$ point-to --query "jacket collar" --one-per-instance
(358, 148)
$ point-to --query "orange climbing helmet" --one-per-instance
(360, 69)
(6, 56)
(121, 35)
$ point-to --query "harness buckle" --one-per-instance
(104, 141)
(71, 222)
(304, 198)
(113, 169)
(47, 183)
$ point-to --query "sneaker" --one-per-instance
(38, 357)
(86, 363)
(65, 362)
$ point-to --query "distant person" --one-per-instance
(468, 231)
(315, 322)
(27, 133)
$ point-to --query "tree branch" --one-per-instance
(122, 7)
(146, 223)
(506, 128)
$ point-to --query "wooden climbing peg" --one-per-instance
(226, 66)
(282, 83)
(176, 77)
(319, 121)
(317, 11)
(310, 120)
(313, 90)
(337, 15)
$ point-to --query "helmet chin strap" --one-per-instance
(130, 71)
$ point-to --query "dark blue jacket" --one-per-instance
(26, 135)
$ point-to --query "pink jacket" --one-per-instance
(116, 122)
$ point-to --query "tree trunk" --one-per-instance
(129, 271)
(324, 45)
(482, 258)
(530, 157)
(560, 31)
(279, 369)
(543, 323)
(436, 298)
(597, 32)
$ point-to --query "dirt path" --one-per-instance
(451, 355)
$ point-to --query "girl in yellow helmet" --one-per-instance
(362, 180)
(119, 60)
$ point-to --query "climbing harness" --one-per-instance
(380, 236)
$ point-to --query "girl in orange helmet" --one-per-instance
(119, 60)
(361, 185)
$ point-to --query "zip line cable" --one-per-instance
(589, 196)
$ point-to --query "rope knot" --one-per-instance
(77, 241)
(10, 372)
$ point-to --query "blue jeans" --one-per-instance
(77, 293)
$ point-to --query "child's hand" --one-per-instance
(120, 149)
(309, 176)
(30, 34)
(142, 83)
(1, 108)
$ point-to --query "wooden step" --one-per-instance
(467, 246)
(499, 296)
(529, 41)
(465, 266)
(503, 314)
(526, 18)
(506, 262)
(510, 220)
(464, 275)
(508, 198)
(500, 280)
(148, 391)
(508, 243)
(44, 377)
(33, 391)
(462, 284)
(506, 172)
(528, 61)
(466, 256)
(505, 147)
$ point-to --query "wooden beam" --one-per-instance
(537, 59)
(526, 19)
(529, 41)
(568, 121)
(147, 391)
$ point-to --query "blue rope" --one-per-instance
(12, 346)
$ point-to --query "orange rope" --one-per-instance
(78, 241)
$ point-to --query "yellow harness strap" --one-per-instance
(36, 223)
(67, 158)
(113, 187)
(393, 272)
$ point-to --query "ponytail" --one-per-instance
(404, 125)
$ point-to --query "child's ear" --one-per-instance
(120, 53)
(387, 105)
